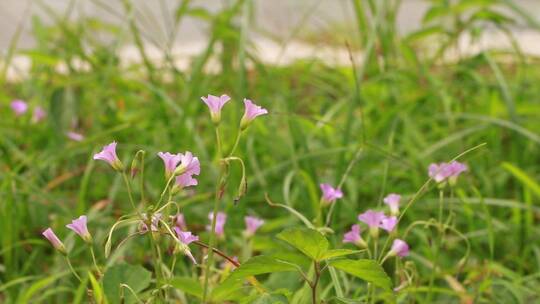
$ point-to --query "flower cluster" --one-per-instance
(20, 107)
(375, 220)
(78, 225)
(443, 172)
(215, 104)
(183, 167)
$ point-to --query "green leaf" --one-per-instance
(254, 266)
(334, 253)
(188, 285)
(367, 270)
(311, 242)
(136, 277)
(523, 177)
(97, 290)
(267, 298)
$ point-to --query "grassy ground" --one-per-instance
(387, 119)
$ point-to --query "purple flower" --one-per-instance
(170, 161)
(186, 238)
(108, 154)
(79, 226)
(19, 107)
(330, 194)
(38, 115)
(252, 224)
(220, 223)
(455, 168)
(373, 220)
(180, 221)
(188, 164)
(55, 241)
(215, 104)
(392, 200)
(75, 136)
(251, 111)
(446, 171)
(353, 236)
(389, 223)
(399, 248)
(186, 180)
(438, 172)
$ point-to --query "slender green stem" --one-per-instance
(141, 179)
(156, 256)
(212, 242)
(217, 198)
(73, 270)
(441, 196)
(95, 260)
(437, 247)
(236, 142)
(130, 194)
(169, 181)
(173, 265)
(218, 143)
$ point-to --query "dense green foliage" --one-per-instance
(376, 124)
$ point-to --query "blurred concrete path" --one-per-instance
(280, 18)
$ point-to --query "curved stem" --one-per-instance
(218, 252)
(164, 190)
(73, 270)
(236, 142)
(130, 194)
(95, 260)
(217, 197)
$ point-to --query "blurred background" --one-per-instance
(365, 92)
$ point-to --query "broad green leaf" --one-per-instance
(311, 242)
(367, 270)
(254, 266)
(334, 253)
(188, 285)
(136, 277)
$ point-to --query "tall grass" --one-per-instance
(404, 102)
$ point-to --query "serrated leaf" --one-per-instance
(188, 285)
(367, 270)
(334, 253)
(136, 277)
(309, 241)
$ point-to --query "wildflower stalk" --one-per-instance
(441, 196)
(169, 181)
(217, 198)
(95, 260)
(236, 142)
(156, 256)
(437, 247)
(73, 270)
(315, 282)
(128, 186)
